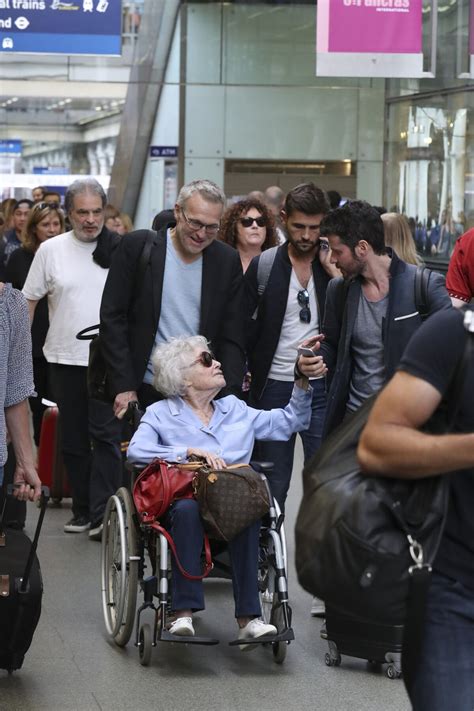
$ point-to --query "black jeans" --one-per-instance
(69, 387)
(94, 473)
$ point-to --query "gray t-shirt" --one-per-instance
(180, 302)
(368, 372)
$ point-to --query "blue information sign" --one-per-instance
(11, 148)
(61, 26)
(163, 151)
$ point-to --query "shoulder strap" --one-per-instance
(422, 277)
(145, 256)
(265, 265)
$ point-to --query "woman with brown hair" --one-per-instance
(44, 221)
(398, 235)
(249, 227)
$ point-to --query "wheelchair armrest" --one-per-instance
(262, 466)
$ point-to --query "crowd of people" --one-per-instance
(254, 296)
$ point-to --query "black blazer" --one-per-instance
(130, 312)
(263, 334)
(401, 321)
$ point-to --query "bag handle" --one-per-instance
(208, 565)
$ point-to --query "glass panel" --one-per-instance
(430, 174)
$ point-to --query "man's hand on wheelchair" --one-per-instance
(212, 459)
(121, 403)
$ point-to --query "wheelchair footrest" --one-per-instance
(284, 636)
(165, 636)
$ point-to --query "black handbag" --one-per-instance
(97, 381)
(359, 538)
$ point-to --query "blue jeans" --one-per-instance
(185, 524)
(277, 393)
(445, 676)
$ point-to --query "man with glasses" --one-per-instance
(71, 270)
(372, 312)
(192, 284)
(284, 317)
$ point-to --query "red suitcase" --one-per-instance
(51, 468)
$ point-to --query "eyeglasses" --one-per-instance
(248, 221)
(205, 359)
(303, 300)
(195, 225)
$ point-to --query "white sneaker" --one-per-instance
(318, 608)
(254, 629)
(182, 627)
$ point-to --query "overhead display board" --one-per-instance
(92, 27)
(369, 38)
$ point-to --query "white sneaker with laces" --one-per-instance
(254, 629)
(182, 627)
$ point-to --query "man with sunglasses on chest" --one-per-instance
(192, 284)
(281, 316)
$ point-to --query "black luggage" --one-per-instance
(21, 590)
(377, 643)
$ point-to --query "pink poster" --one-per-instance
(376, 38)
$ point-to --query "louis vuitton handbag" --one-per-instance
(230, 499)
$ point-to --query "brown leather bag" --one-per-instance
(230, 499)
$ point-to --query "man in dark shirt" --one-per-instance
(392, 444)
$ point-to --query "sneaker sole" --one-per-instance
(73, 529)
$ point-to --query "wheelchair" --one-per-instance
(127, 541)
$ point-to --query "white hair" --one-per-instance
(169, 361)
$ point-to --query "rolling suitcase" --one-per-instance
(51, 469)
(21, 590)
(377, 643)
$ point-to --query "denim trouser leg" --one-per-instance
(243, 551)
(277, 393)
(185, 525)
(445, 676)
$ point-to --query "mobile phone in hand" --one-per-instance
(305, 351)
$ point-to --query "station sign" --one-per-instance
(369, 38)
(87, 27)
(11, 148)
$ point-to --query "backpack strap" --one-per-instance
(422, 277)
(265, 266)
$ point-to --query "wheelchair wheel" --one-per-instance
(145, 645)
(120, 561)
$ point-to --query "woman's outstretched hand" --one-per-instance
(209, 457)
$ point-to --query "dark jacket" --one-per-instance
(400, 323)
(263, 334)
(130, 312)
(16, 272)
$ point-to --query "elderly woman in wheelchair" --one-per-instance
(222, 432)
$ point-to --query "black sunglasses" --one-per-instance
(303, 300)
(248, 221)
(205, 359)
(44, 205)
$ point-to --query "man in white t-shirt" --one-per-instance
(71, 270)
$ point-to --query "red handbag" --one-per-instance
(155, 489)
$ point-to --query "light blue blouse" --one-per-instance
(170, 426)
